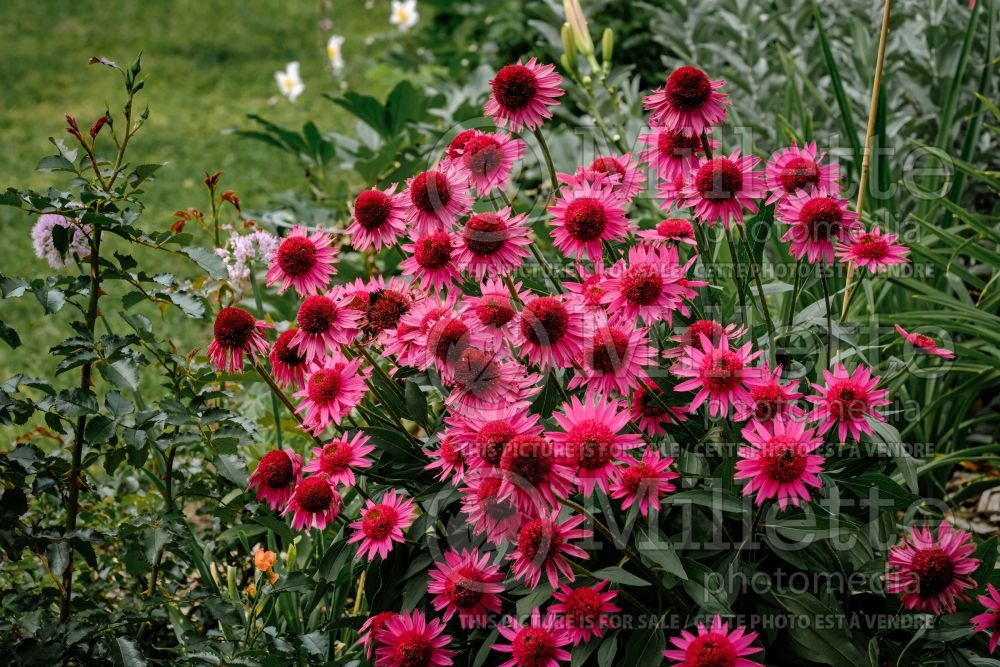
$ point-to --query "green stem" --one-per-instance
(739, 271)
(704, 252)
(797, 281)
(829, 320)
(548, 159)
(755, 270)
(275, 408)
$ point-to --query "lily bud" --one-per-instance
(578, 24)
(607, 44)
(569, 43)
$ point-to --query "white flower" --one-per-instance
(289, 82)
(333, 52)
(404, 14)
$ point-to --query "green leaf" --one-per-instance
(190, 304)
(645, 648)
(581, 653)
(392, 442)
(316, 643)
(878, 486)
(618, 575)
(606, 654)
(233, 469)
(143, 173)
(76, 402)
(368, 109)
(819, 641)
(661, 551)
(548, 398)
(99, 430)
(123, 373)
(846, 116)
(207, 260)
(54, 163)
(416, 403)
(125, 653)
(9, 336)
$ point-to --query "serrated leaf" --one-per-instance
(207, 260)
(127, 654)
(190, 304)
(123, 373)
(54, 163)
(9, 335)
(99, 429)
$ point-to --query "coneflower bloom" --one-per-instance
(338, 458)
(587, 215)
(333, 388)
(236, 332)
(382, 304)
(552, 331)
(848, 400)
(720, 189)
(614, 359)
(408, 342)
(303, 261)
(671, 230)
(492, 243)
(485, 383)
(624, 174)
(925, 344)
(671, 191)
(689, 101)
(793, 169)
(435, 199)
(643, 482)
(589, 292)
(770, 398)
(315, 503)
(446, 338)
(432, 260)
(372, 627)
(538, 644)
(488, 160)
(324, 324)
(585, 610)
(453, 154)
(873, 250)
(448, 459)
(378, 218)
(466, 583)
(714, 645)
(650, 410)
(816, 220)
(711, 329)
(381, 524)
(488, 514)
(779, 462)
(534, 472)
(522, 95)
(931, 573)
(645, 286)
(288, 365)
(542, 547)
(484, 441)
(989, 620)
(718, 373)
(672, 153)
(275, 476)
(495, 311)
(410, 640)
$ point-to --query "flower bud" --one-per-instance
(578, 24)
(569, 45)
(96, 127)
(607, 44)
(290, 557)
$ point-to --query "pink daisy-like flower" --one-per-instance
(584, 610)
(435, 199)
(538, 644)
(315, 503)
(382, 304)
(552, 331)
(614, 359)
(448, 459)
(467, 584)
(489, 514)
(379, 218)
(409, 342)
(275, 477)
(370, 628)
(236, 332)
(381, 524)
(770, 398)
(494, 309)
(848, 400)
(484, 383)
(542, 547)
(718, 373)
(873, 250)
(643, 481)
(989, 620)
(522, 95)
(671, 230)
(711, 329)
(689, 101)
(288, 365)
(488, 160)
(925, 344)
(714, 646)
(779, 463)
(721, 188)
(432, 260)
(589, 292)
(492, 243)
(793, 169)
(534, 471)
(647, 286)
(410, 640)
(816, 220)
(672, 153)
(484, 441)
(453, 154)
(671, 191)
(624, 174)
(303, 261)
(334, 387)
(931, 574)
(585, 216)
(592, 438)
(324, 323)
(647, 411)
(338, 458)
(446, 338)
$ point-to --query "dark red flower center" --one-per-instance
(822, 218)
(514, 87)
(607, 165)
(934, 570)
(317, 314)
(379, 521)
(847, 401)
(448, 338)
(429, 191)
(610, 348)
(583, 608)
(688, 88)
(591, 290)
(413, 649)
(642, 284)
(464, 587)
(719, 180)
(476, 372)
(433, 251)
(870, 247)
(324, 386)
(482, 155)
(494, 311)
(450, 453)
(336, 457)
(485, 233)
(924, 342)
(234, 328)
(545, 321)
(639, 478)
(539, 538)
(275, 470)
(385, 308)
(675, 228)
(712, 649)
(643, 396)
(285, 353)
(710, 329)
(492, 438)
(534, 647)
(721, 370)
(592, 444)
(799, 173)
(297, 256)
(677, 145)
(586, 219)
(314, 494)
(457, 144)
(372, 209)
(769, 401)
(528, 457)
(783, 460)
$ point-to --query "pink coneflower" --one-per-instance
(589, 292)
(432, 260)
(538, 644)
(489, 514)
(338, 458)
(614, 359)
(488, 160)
(467, 584)
(721, 188)
(622, 172)
(408, 340)
(236, 332)
(381, 524)
(552, 332)
(873, 250)
(711, 329)
(542, 547)
(816, 220)
(275, 477)
(522, 95)
(672, 153)
(453, 154)
(372, 627)
(718, 373)
(770, 398)
(793, 169)
(379, 218)
(643, 482)
(592, 439)
(689, 101)
(324, 324)
(485, 383)
(925, 344)
(585, 216)
(848, 400)
(495, 311)
(288, 365)
(989, 620)
(484, 441)
(645, 287)
(671, 230)
(930, 574)
(585, 610)
(647, 411)
(435, 199)
(303, 261)
(409, 640)
(492, 243)
(334, 386)
(714, 646)
(315, 503)
(448, 459)
(446, 337)
(671, 191)
(382, 304)
(534, 470)
(779, 463)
